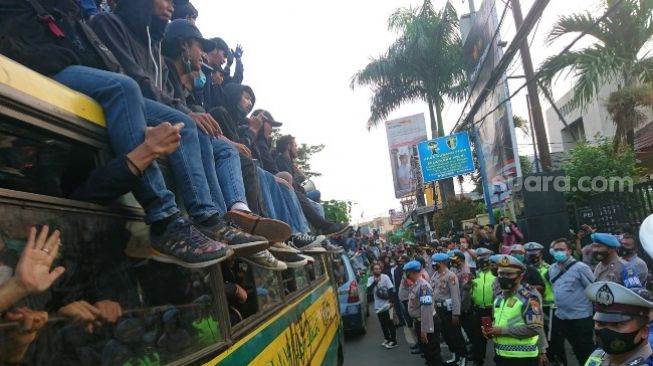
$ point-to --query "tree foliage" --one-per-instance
(615, 56)
(337, 211)
(598, 159)
(425, 63)
(303, 161)
(455, 212)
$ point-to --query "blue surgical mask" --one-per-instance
(519, 257)
(199, 81)
(560, 256)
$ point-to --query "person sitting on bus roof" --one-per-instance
(182, 48)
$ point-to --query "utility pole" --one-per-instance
(536, 107)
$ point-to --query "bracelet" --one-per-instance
(131, 162)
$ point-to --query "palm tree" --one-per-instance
(617, 55)
(425, 63)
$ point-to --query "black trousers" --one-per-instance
(479, 342)
(430, 350)
(404, 310)
(467, 323)
(452, 335)
(251, 183)
(387, 326)
(504, 361)
(556, 351)
(579, 333)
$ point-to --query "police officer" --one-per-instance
(446, 295)
(517, 328)
(482, 298)
(621, 325)
(556, 351)
(604, 251)
(464, 274)
(422, 312)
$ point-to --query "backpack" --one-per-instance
(49, 35)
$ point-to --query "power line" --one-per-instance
(565, 50)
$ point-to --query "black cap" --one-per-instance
(181, 28)
(268, 117)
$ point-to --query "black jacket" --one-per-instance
(267, 159)
(134, 37)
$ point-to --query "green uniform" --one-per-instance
(643, 356)
(482, 292)
(547, 299)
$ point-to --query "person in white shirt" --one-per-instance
(382, 288)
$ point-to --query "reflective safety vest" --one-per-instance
(509, 312)
(547, 298)
(482, 294)
(598, 358)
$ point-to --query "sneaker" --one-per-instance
(292, 260)
(185, 245)
(272, 230)
(384, 343)
(314, 250)
(326, 244)
(305, 241)
(391, 345)
(283, 248)
(243, 244)
(309, 259)
(265, 259)
(334, 229)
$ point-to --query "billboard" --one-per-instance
(496, 131)
(445, 157)
(403, 134)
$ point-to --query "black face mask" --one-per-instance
(495, 271)
(624, 252)
(615, 343)
(599, 255)
(506, 283)
(533, 258)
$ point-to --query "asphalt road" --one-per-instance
(366, 349)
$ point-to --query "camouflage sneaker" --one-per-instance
(185, 245)
(305, 241)
(240, 242)
(265, 259)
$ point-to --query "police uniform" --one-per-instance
(615, 303)
(446, 296)
(422, 311)
(613, 271)
(556, 350)
(482, 299)
(519, 316)
(464, 275)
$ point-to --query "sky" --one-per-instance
(299, 59)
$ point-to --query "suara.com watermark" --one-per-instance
(560, 183)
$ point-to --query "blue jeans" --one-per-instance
(230, 175)
(127, 115)
(281, 203)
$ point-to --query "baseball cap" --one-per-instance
(182, 28)
(268, 117)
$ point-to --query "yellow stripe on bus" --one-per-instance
(31, 83)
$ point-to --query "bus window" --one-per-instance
(294, 279)
(339, 270)
(168, 312)
(316, 269)
(268, 290)
(32, 160)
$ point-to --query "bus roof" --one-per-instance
(18, 80)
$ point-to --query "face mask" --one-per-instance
(615, 343)
(599, 255)
(624, 252)
(482, 263)
(199, 81)
(560, 256)
(392, 264)
(495, 271)
(519, 257)
(506, 283)
(533, 258)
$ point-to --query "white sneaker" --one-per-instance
(391, 345)
(265, 259)
(283, 248)
(384, 343)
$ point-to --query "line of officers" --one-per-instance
(511, 313)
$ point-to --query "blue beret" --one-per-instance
(606, 239)
(440, 257)
(412, 266)
(455, 252)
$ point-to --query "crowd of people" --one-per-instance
(487, 284)
(169, 98)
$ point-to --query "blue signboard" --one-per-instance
(445, 157)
